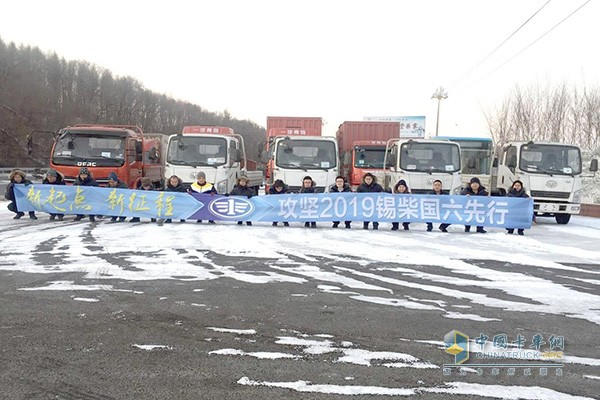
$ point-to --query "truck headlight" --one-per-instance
(457, 190)
(222, 187)
(577, 197)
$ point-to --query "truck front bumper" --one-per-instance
(556, 208)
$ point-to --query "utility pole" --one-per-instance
(440, 95)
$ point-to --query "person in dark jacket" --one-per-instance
(53, 177)
(474, 189)
(279, 187)
(437, 190)
(16, 177)
(516, 190)
(401, 188)
(84, 178)
(175, 184)
(115, 183)
(145, 184)
(309, 186)
(340, 187)
(242, 189)
(369, 185)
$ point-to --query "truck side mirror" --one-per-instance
(347, 159)
(594, 165)
(512, 162)
(138, 148)
(237, 155)
(471, 163)
(153, 154)
(389, 162)
(264, 156)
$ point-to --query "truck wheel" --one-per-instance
(563, 219)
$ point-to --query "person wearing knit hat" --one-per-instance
(114, 183)
(242, 189)
(145, 184)
(203, 187)
(85, 179)
(16, 177)
(279, 187)
(401, 188)
(53, 177)
(475, 189)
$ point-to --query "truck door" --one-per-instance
(507, 168)
(134, 167)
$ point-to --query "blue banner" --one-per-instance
(509, 212)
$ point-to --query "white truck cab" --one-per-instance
(217, 151)
(550, 172)
(420, 162)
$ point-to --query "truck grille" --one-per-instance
(296, 189)
(426, 191)
(550, 195)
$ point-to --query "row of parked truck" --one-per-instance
(295, 147)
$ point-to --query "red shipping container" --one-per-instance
(353, 131)
(308, 123)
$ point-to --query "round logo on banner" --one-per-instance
(231, 207)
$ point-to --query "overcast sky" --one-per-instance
(340, 60)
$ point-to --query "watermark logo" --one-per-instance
(457, 344)
(231, 207)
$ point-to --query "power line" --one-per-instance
(531, 44)
(500, 45)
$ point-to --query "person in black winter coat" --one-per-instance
(401, 188)
(53, 177)
(16, 177)
(279, 187)
(516, 190)
(175, 184)
(145, 184)
(242, 189)
(340, 187)
(115, 183)
(369, 185)
(474, 189)
(437, 190)
(84, 178)
(309, 186)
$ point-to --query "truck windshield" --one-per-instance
(430, 157)
(197, 151)
(550, 159)
(303, 154)
(104, 151)
(369, 157)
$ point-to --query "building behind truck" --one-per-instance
(295, 149)
(103, 149)
(217, 151)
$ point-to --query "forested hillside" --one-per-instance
(41, 93)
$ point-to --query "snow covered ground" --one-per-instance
(553, 271)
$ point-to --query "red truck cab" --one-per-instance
(103, 149)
